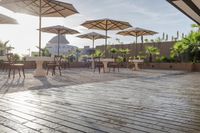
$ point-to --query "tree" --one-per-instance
(113, 51)
(4, 49)
(178, 50)
(124, 53)
(98, 53)
(196, 26)
(146, 40)
(45, 51)
(190, 46)
(151, 51)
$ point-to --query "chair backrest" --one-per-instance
(58, 59)
(97, 61)
(10, 58)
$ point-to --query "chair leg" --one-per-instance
(9, 72)
(99, 69)
(19, 72)
(47, 70)
(59, 70)
(23, 72)
(14, 73)
(52, 71)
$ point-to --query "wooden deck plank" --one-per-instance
(139, 102)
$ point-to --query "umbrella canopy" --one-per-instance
(41, 8)
(191, 8)
(106, 24)
(137, 32)
(7, 20)
(93, 36)
(59, 30)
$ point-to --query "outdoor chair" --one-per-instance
(98, 64)
(114, 65)
(65, 63)
(12, 65)
(57, 63)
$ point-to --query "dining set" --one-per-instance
(103, 65)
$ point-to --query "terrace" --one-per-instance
(149, 101)
(156, 89)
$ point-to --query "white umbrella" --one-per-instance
(106, 24)
(41, 8)
(93, 36)
(7, 20)
(59, 30)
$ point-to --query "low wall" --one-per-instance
(164, 66)
(173, 66)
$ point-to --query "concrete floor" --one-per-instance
(149, 101)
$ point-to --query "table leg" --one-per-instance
(105, 64)
(136, 68)
(39, 72)
(92, 64)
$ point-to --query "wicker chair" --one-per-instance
(13, 65)
(55, 64)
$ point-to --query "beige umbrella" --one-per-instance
(93, 36)
(59, 30)
(137, 32)
(106, 24)
(7, 20)
(41, 8)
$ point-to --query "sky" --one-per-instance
(156, 15)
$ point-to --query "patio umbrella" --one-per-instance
(106, 24)
(93, 36)
(7, 20)
(59, 30)
(137, 32)
(41, 8)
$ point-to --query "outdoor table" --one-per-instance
(39, 71)
(136, 62)
(105, 62)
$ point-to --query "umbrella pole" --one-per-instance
(40, 25)
(58, 44)
(142, 40)
(136, 45)
(106, 38)
(105, 49)
(93, 42)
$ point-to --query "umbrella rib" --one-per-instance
(52, 7)
(114, 25)
(58, 11)
(97, 25)
(27, 5)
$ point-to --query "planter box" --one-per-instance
(170, 66)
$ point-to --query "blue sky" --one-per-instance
(157, 15)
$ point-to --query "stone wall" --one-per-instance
(135, 49)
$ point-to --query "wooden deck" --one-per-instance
(139, 102)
